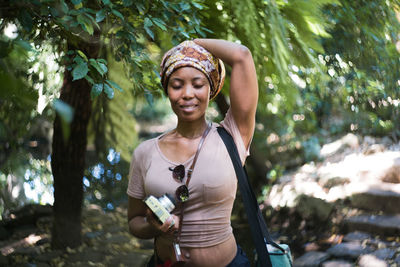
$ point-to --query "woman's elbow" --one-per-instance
(241, 54)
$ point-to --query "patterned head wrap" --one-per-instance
(190, 54)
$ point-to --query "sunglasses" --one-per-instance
(182, 192)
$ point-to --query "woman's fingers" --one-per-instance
(170, 225)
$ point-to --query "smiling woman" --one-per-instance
(188, 92)
(192, 158)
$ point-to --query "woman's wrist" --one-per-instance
(140, 227)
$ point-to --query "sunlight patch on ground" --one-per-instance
(335, 179)
(27, 241)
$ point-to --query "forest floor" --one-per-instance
(340, 211)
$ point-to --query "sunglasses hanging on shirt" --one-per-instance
(182, 192)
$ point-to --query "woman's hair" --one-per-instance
(190, 54)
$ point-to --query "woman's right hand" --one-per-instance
(169, 226)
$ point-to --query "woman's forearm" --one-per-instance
(139, 227)
(228, 52)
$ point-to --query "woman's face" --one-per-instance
(188, 92)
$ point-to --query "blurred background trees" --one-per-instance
(325, 68)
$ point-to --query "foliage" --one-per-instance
(324, 68)
(126, 28)
(364, 56)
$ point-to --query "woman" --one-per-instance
(192, 73)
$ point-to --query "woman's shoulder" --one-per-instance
(145, 146)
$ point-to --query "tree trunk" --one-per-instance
(68, 158)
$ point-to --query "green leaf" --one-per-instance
(65, 111)
(109, 91)
(24, 44)
(127, 3)
(100, 15)
(149, 97)
(149, 32)
(80, 71)
(118, 14)
(64, 7)
(114, 85)
(86, 24)
(198, 6)
(103, 67)
(102, 60)
(54, 12)
(76, 2)
(106, 2)
(82, 55)
(79, 6)
(140, 7)
(78, 60)
(160, 23)
(147, 22)
(100, 67)
(97, 88)
(185, 34)
(26, 20)
(89, 79)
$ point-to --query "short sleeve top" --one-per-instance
(212, 187)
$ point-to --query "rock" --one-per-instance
(42, 241)
(349, 250)
(397, 260)
(27, 251)
(337, 263)
(24, 231)
(386, 141)
(3, 260)
(132, 259)
(116, 228)
(118, 239)
(386, 225)
(86, 255)
(4, 234)
(28, 215)
(25, 264)
(376, 148)
(369, 140)
(356, 236)
(313, 208)
(311, 259)
(384, 254)
(392, 175)
(349, 140)
(371, 261)
(48, 256)
(92, 235)
(45, 221)
(335, 181)
(377, 200)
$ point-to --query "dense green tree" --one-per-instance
(280, 34)
(79, 31)
(313, 58)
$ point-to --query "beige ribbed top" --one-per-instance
(212, 186)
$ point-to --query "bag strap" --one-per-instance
(189, 176)
(258, 227)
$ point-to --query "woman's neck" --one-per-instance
(192, 129)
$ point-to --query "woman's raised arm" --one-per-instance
(243, 86)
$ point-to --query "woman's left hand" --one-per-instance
(169, 226)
